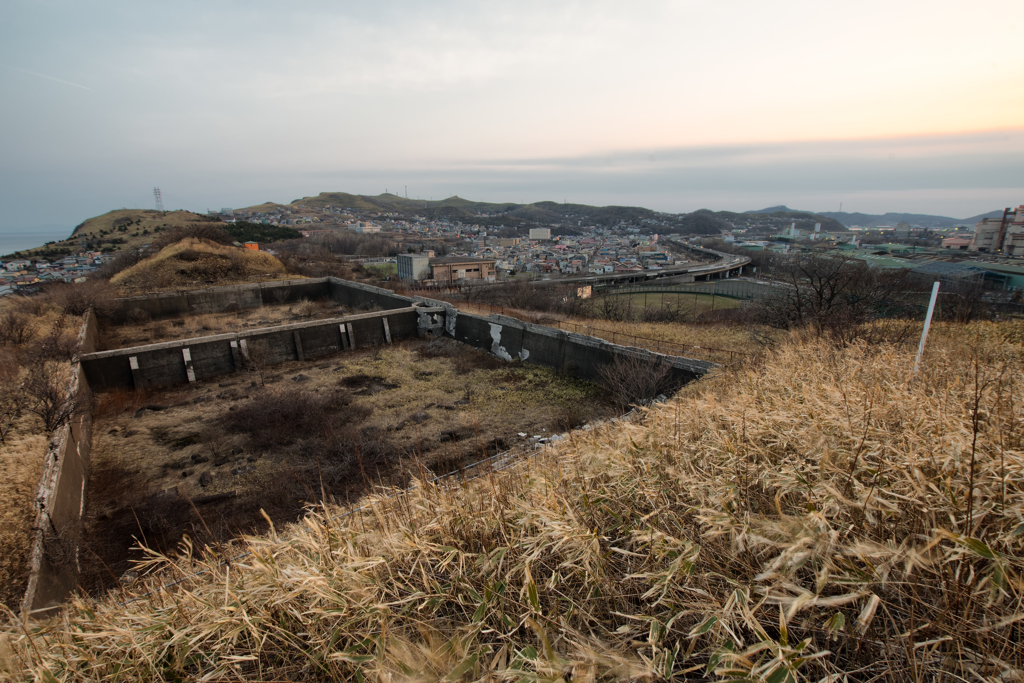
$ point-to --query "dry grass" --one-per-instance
(21, 466)
(822, 516)
(722, 336)
(318, 428)
(140, 329)
(192, 262)
(24, 447)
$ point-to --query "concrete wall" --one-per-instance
(165, 364)
(228, 297)
(574, 354)
(53, 563)
(168, 363)
(510, 338)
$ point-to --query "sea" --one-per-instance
(17, 239)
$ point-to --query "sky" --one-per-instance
(677, 105)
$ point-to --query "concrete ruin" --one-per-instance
(54, 560)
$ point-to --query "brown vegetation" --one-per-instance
(38, 341)
(195, 261)
(282, 436)
(825, 515)
(138, 328)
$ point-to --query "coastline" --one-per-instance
(20, 239)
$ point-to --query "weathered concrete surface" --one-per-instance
(359, 295)
(62, 488)
(164, 364)
(53, 563)
(225, 298)
(574, 354)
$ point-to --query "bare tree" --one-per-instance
(963, 301)
(15, 328)
(632, 379)
(48, 388)
(257, 358)
(832, 295)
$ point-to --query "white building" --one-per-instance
(540, 233)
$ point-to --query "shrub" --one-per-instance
(137, 316)
(123, 260)
(58, 345)
(15, 328)
(307, 308)
(632, 379)
(281, 417)
(76, 299)
(205, 231)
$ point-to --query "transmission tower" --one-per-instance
(159, 199)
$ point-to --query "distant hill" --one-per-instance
(456, 208)
(774, 209)
(868, 220)
(115, 230)
(782, 215)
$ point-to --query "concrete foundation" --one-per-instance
(54, 559)
(192, 360)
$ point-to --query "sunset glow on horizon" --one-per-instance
(236, 103)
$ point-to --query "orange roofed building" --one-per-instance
(255, 246)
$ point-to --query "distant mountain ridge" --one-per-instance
(868, 220)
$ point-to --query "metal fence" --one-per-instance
(731, 288)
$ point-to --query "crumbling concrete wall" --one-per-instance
(190, 360)
(575, 354)
(224, 298)
(359, 295)
(508, 338)
(53, 563)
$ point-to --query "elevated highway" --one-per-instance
(725, 265)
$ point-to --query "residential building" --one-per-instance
(540, 233)
(452, 268)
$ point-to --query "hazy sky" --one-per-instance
(884, 106)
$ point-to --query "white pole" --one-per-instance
(927, 324)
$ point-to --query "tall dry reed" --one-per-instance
(823, 516)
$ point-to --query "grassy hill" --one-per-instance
(819, 514)
(116, 230)
(889, 219)
(193, 262)
(488, 213)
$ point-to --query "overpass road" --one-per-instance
(723, 264)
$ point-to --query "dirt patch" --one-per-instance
(211, 456)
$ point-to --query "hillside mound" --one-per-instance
(192, 262)
(117, 230)
(825, 515)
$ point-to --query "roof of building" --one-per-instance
(453, 260)
(948, 269)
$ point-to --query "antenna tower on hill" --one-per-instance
(159, 199)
